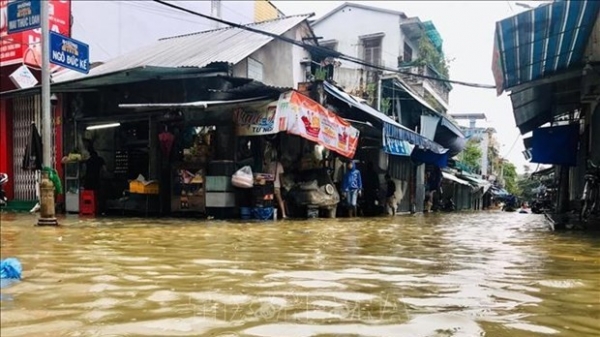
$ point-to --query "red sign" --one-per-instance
(25, 47)
(312, 121)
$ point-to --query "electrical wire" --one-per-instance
(512, 146)
(322, 50)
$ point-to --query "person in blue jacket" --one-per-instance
(351, 187)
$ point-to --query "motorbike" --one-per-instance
(591, 192)
(3, 181)
(543, 204)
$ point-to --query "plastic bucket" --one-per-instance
(263, 213)
(246, 213)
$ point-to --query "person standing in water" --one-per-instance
(275, 168)
(390, 194)
(351, 187)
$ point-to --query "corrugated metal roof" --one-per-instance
(541, 42)
(198, 50)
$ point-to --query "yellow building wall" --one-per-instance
(263, 10)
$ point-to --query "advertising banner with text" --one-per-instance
(258, 121)
(310, 120)
(25, 47)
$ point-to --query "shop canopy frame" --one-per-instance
(539, 43)
(391, 129)
(452, 177)
(444, 120)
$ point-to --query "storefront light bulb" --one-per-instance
(103, 126)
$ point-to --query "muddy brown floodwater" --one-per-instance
(474, 274)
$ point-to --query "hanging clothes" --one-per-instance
(166, 140)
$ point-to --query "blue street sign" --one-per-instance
(69, 53)
(23, 15)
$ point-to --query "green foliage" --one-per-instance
(525, 186)
(321, 74)
(510, 178)
(429, 55)
(386, 103)
(471, 156)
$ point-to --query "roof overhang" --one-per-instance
(122, 77)
(452, 177)
(444, 119)
(198, 105)
(413, 28)
(536, 106)
(541, 42)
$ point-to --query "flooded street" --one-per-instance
(479, 274)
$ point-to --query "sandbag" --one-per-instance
(243, 178)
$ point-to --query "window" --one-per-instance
(408, 53)
(372, 51)
(255, 70)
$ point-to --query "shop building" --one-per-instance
(552, 74)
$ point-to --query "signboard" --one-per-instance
(69, 53)
(497, 67)
(25, 47)
(312, 121)
(261, 121)
(23, 15)
(23, 78)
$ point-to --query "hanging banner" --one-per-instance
(259, 121)
(310, 120)
(395, 146)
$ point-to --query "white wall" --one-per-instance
(280, 60)
(348, 24)
(113, 28)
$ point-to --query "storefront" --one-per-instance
(16, 115)
(179, 159)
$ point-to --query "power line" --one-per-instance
(512, 146)
(322, 50)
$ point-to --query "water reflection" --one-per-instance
(480, 274)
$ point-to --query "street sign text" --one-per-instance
(23, 15)
(69, 53)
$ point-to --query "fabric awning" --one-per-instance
(397, 137)
(479, 183)
(541, 42)
(455, 179)
(499, 192)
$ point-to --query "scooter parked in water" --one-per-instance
(590, 200)
(3, 180)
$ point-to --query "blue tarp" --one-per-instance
(421, 156)
(543, 41)
(10, 268)
(555, 145)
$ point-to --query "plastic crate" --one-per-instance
(138, 187)
(87, 203)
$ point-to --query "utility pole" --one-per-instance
(47, 215)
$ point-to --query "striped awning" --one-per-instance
(541, 42)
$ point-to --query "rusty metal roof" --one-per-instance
(197, 50)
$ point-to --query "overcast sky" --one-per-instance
(467, 28)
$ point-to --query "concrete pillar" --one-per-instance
(420, 188)
(563, 190)
(153, 150)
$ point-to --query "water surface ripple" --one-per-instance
(474, 274)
